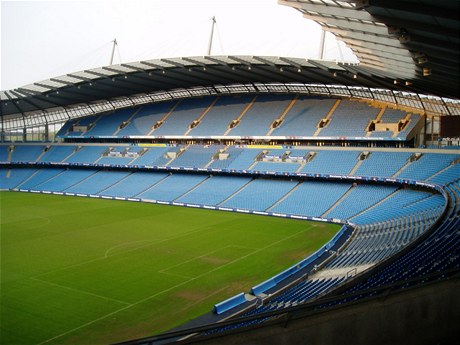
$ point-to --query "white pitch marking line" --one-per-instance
(80, 291)
(38, 225)
(106, 255)
(168, 289)
(175, 275)
(127, 251)
(192, 259)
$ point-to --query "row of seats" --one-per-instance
(434, 167)
(437, 257)
(307, 198)
(250, 115)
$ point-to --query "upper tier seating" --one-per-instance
(257, 120)
(179, 120)
(218, 119)
(109, 124)
(67, 129)
(143, 121)
(414, 119)
(285, 115)
(302, 118)
(350, 119)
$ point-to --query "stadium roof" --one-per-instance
(419, 40)
(404, 46)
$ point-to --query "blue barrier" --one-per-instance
(229, 303)
(272, 282)
(264, 286)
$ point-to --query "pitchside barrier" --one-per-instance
(259, 289)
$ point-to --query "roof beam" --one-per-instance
(380, 48)
(13, 101)
(80, 77)
(330, 9)
(349, 25)
(372, 54)
(216, 60)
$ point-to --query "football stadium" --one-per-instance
(242, 199)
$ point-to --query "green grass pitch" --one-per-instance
(93, 271)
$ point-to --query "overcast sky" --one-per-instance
(45, 39)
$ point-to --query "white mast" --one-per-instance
(322, 44)
(212, 34)
(113, 50)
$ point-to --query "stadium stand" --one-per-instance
(172, 187)
(258, 118)
(97, 182)
(133, 184)
(152, 156)
(249, 197)
(13, 177)
(57, 153)
(215, 190)
(312, 199)
(65, 180)
(303, 117)
(350, 119)
(274, 116)
(358, 199)
(179, 119)
(332, 162)
(86, 154)
(223, 112)
(109, 125)
(197, 156)
(321, 154)
(144, 120)
(39, 177)
(26, 153)
(378, 164)
(387, 218)
(426, 166)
